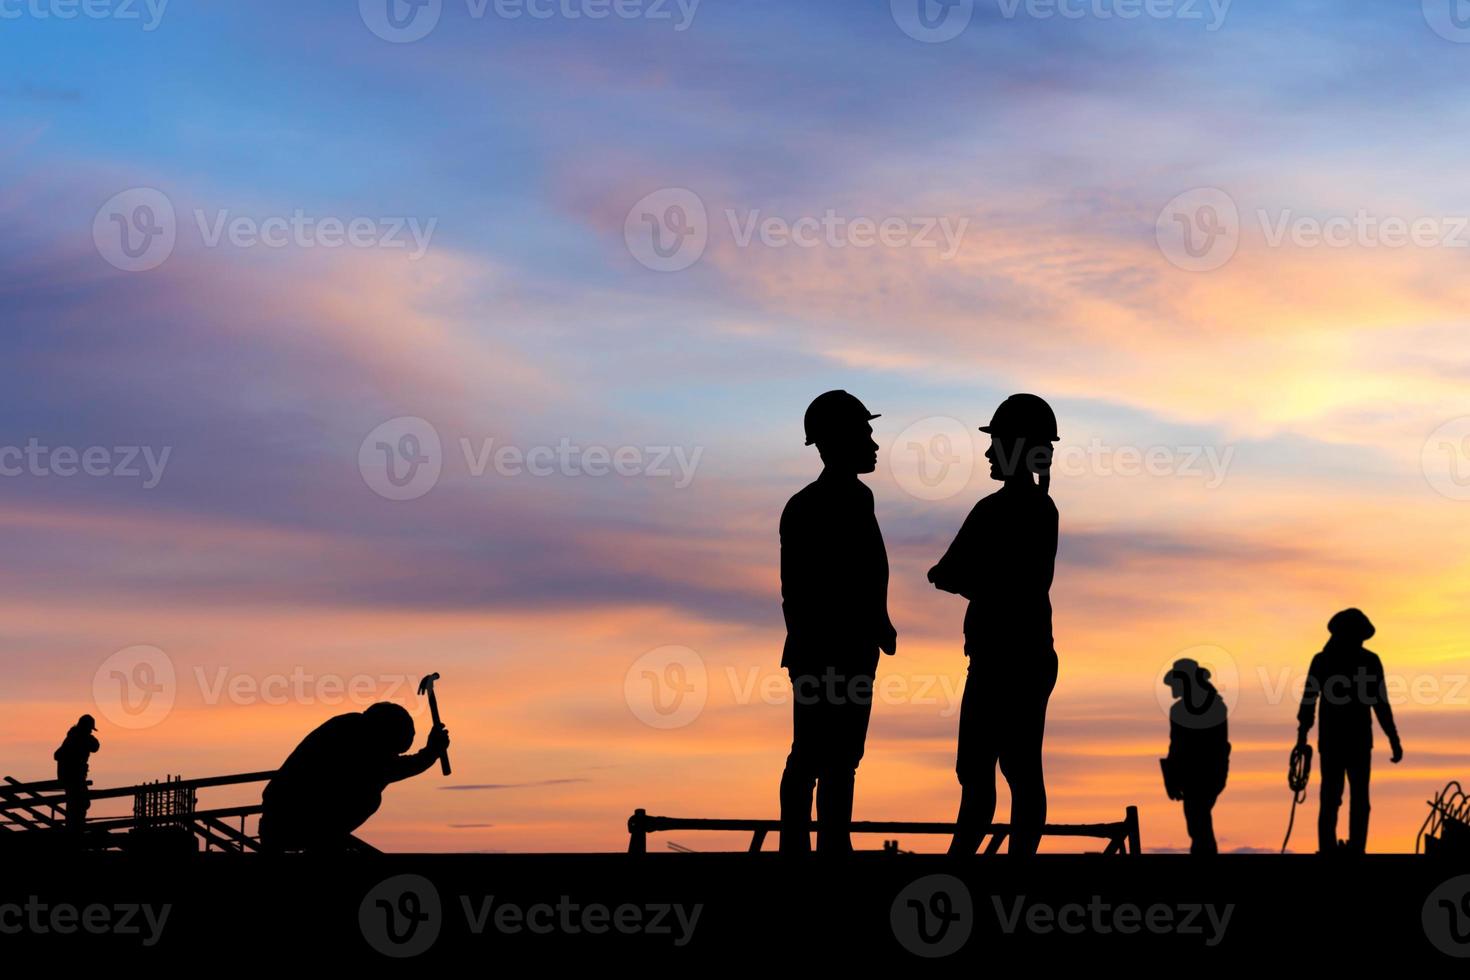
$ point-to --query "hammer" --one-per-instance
(426, 686)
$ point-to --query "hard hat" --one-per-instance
(87, 723)
(1352, 625)
(1187, 669)
(1026, 417)
(832, 412)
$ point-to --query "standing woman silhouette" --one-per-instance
(1002, 561)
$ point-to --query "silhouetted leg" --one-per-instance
(800, 777)
(975, 765)
(1359, 805)
(1333, 773)
(1199, 818)
(850, 711)
(1020, 756)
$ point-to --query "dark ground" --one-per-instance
(755, 912)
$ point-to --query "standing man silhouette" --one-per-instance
(1003, 560)
(1198, 765)
(834, 594)
(71, 769)
(1347, 681)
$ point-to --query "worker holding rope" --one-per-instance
(1344, 684)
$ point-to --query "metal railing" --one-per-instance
(1123, 837)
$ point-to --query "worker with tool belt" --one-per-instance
(834, 595)
(1003, 560)
(334, 780)
(1344, 684)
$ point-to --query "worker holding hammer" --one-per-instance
(334, 780)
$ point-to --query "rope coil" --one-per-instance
(1297, 777)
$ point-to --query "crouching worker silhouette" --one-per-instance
(1199, 751)
(1003, 560)
(1344, 683)
(834, 592)
(334, 780)
(71, 769)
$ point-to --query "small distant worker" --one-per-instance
(1345, 683)
(1198, 763)
(72, 764)
(334, 780)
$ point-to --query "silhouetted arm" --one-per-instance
(1310, 693)
(953, 572)
(407, 766)
(797, 575)
(1383, 710)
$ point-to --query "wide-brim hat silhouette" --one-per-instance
(1186, 669)
(1351, 625)
(1024, 416)
(832, 412)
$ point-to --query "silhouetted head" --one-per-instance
(390, 726)
(87, 723)
(1021, 436)
(1351, 626)
(838, 425)
(1189, 680)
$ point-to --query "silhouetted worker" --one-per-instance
(1199, 751)
(1002, 561)
(834, 592)
(334, 780)
(1346, 680)
(71, 769)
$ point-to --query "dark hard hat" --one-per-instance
(1352, 625)
(1187, 669)
(1026, 417)
(87, 723)
(392, 723)
(833, 412)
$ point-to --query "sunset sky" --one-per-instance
(1228, 242)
